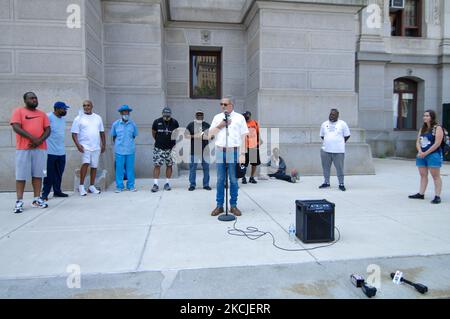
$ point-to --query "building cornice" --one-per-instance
(250, 7)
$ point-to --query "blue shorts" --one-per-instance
(434, 160)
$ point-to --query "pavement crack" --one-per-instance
(141, 257)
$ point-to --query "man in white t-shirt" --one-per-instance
(89, 137)
(334, 133)
(229, 151)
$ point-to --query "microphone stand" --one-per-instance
(226, 217)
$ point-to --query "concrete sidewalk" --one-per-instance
(169, 233)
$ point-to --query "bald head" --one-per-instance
(87, 107)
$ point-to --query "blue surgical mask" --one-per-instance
(125, 117)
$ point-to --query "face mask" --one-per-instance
(166, 118)
(247, 118)
(63, 113)
(125, 117)
(332, 118)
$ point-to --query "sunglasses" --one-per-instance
(86, 105)
(224, 104)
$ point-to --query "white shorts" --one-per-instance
(91, 158)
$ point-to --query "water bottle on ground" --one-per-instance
(292, 232)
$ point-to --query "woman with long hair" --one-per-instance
(429, 157)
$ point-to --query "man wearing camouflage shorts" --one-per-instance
(162, 130)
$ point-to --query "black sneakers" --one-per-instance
(324, 185)
(252, 180)
(244, 180)
(342, 188)
(207, 188)
(60, 195)
(436, 200)
(191, 188)
(155, 188)
(417, 196)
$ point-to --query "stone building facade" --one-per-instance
(399, 77)
(288, 62)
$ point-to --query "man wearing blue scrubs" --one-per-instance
(56, 158)
(124, 132)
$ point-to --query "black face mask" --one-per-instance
(247, 118)
(63, 113)
(333, 119)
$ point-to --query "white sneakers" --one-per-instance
(39, 203)
(19, 207)
(91, 189)
(81, 190)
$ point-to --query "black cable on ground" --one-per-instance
(254, 233)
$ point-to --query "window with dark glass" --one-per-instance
(205, 70)
(405, 104)
(407, 22)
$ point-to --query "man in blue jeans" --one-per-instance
(124, 132)
(56, 158)
(197, 132)
(229, 150)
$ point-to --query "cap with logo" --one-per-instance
(167, 111)
(61, 105)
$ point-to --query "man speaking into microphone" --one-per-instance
(229, 149)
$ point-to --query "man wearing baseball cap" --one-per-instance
(162, 130)
(197, 132)
(56, 158)
(124, 132)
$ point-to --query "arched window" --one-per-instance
(405, 104)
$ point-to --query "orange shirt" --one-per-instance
(253, 136)
(33, 122)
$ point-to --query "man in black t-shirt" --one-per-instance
(197, 132)
(162, 130)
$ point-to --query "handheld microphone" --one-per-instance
(359, 282)
(227, 118)
(419, 287)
